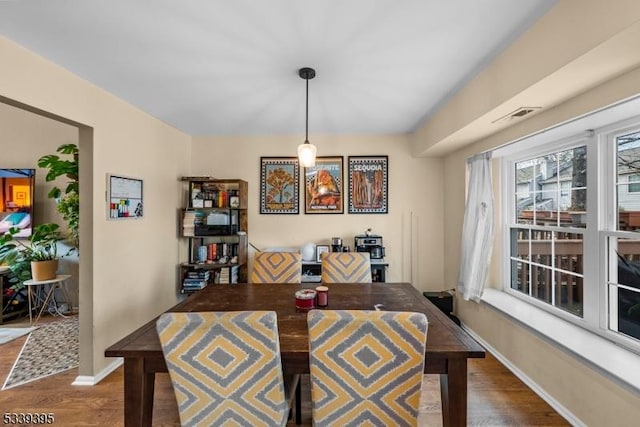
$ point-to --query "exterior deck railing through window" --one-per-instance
(568, 259)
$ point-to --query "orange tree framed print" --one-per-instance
(368, 184)
(323, 186)
(279, 185)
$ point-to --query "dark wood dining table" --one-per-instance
(447, 351)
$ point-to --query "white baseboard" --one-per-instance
(564, 412)
(87, 380)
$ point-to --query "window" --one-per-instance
(573, 228)
(547, 252)
(623, 247)
(634, 184)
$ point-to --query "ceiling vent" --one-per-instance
(517, 114)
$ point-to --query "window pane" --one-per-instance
(628, 181)
(541, 242)
(569, 293)
(541, 283)
(624, 286)
(520, 276)
(575, 160)
(569, 251)
(520, 243)
(577, 211)
(546, 207)
(524, 209)
(575, 202)
(629, 312)
(628, 256)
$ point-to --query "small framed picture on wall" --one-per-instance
(321, 249)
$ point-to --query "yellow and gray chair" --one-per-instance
(225, 367)
(277, 267)
(346, 267)
(366, 366)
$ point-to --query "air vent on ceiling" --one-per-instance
(517, 114)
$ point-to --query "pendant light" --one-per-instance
(306, 150)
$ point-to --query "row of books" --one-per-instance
(227, 275)
(214, 251)
(197, 279)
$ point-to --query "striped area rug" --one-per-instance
(50, 349)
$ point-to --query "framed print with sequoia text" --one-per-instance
(368, 183)
(279, 185)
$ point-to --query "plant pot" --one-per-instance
(44, 270)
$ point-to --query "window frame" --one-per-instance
(508, 180)
(601, 220)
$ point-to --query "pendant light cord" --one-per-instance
(306, 132)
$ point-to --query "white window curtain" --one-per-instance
(477, 231)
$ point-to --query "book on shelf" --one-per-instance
(194, 286)
(227, 275)
(198, 274)
(188, 223)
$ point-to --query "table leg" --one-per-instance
(138, 393)
(299, 401)
(30, 297)
(46, 301)
(453, 389)
(63, 286)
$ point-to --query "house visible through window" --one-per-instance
(571, 201)
(634, 184)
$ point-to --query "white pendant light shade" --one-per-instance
(307, 154)
(306, 150)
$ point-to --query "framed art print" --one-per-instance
(279, 185)
(321, 249)
(368, 184)
(323, 186)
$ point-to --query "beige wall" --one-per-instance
(412, 230)
(589, 395)
(128, 268)
(25, 137)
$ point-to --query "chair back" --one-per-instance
(277, 267)
(366, 366)
(225, 367)
(346, 267)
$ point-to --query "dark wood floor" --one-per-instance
(496, 398)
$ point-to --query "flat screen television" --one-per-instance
(17, 188)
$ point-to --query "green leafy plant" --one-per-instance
(68, 199)
(18, 255)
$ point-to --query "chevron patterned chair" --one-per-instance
(277, 267)
(346, 267)
(225, 367)
(366, 367)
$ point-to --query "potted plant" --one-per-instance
(38, 259)
(68, 200)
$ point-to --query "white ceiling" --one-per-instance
(230, 67)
